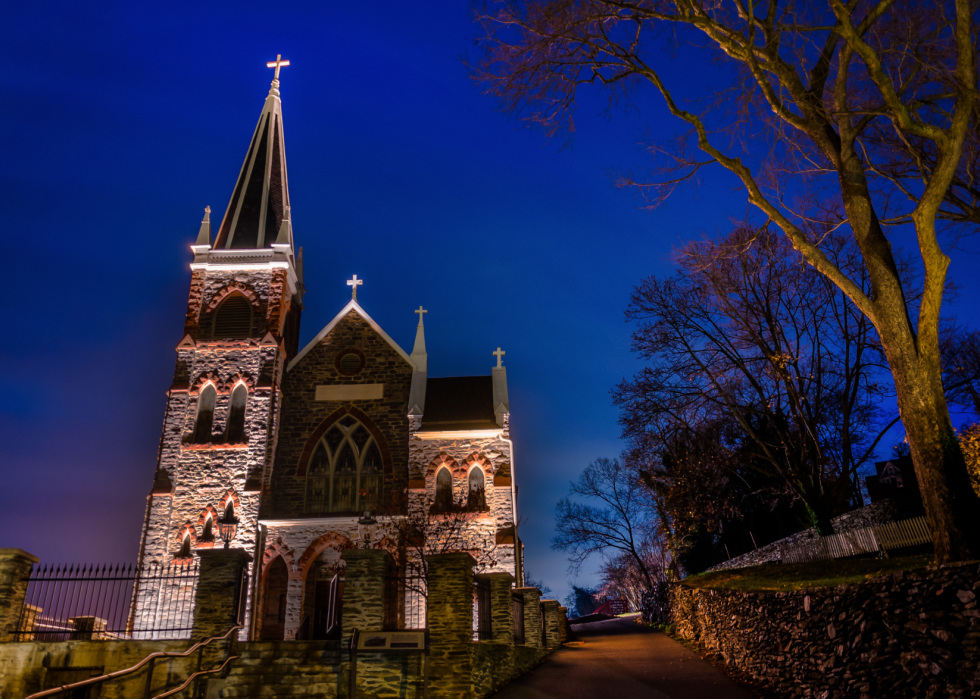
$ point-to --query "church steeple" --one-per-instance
(260, 200)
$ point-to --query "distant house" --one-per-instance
(896, 481)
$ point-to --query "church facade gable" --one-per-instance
(312, 415)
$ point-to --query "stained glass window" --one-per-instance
(346, 473)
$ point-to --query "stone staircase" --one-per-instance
(281, 669)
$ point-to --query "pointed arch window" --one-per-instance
(346, 473)
(235, 431)
(207, 533)
(205, 415)
(233, 319)
(185, 547)
(476, 500)
(444, 491)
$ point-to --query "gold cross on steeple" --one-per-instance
(277, 64)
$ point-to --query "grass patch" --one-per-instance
(784, 577)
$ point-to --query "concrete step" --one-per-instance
(315, 689)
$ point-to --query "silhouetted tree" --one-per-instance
(867, 108)
(619, 522)
(752, 349)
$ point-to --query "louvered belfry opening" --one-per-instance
(233, 319)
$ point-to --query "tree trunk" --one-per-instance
(952, 507)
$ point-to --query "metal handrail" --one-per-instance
(195, 676)
(128, 671)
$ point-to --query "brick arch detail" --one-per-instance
(318, 546)
(223, 503)
(204, 515)
(234, 288)
(235, 379)
(206, 378)
(277, 549)
(437, 463)
(476, 459)
(360, 416)
(186, 529)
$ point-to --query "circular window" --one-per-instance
(350, 362)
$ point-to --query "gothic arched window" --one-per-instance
(207, 533)
(233, 319)
(205, 415)
(235, 432)
(185, 547)
(346, 473)
(444, 491)
(476, 500)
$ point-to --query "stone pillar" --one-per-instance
(450, 622)
(563, 626)
(501, 606)
(220, 591)
(532, 615)
(15, 569)
(552, 625)
(364, 589)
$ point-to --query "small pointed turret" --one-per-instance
(285, 231)
(501, 402)
(260, 199)
(204, 234)
(416, 397)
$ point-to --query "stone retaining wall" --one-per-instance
(902, 635)
(873, 515)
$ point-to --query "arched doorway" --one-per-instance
(318, 590)
(274, 601)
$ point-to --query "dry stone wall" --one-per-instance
(873, 515)
(904, 635)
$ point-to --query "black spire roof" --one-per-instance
(261, 194)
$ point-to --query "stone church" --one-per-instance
(297, 444)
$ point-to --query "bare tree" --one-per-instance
(620, 522)
(745, 333)
(866, 106)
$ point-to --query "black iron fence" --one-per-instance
(518, 609)
(105, 602)
(482, 630)
(405, 601)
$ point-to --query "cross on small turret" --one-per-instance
(499, 354)
(421, 311)
(277, 64)
(354, 283)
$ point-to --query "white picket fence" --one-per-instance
(894, 535)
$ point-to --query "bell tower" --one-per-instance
(241, 328)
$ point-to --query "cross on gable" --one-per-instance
(499, 354)
(277, 64)
(354, 283)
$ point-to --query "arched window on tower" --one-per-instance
(229, 510)
(185, 547)
(205, 415)
(235, 432)
(444, 491)
(346, 473)
(233, 319)
(207, 533)
(476, 500)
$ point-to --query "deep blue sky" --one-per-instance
(123, 120)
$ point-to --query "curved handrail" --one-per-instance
(195, 676)
(134, 668)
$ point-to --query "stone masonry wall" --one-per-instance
(194, 481)
(303, 415)
(903, 635)
(873, 515)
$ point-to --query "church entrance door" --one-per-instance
(274, 601)
(326, 594)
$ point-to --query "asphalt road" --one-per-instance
(619, 659)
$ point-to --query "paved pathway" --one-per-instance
(620, 659)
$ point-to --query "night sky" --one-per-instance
(122, 121)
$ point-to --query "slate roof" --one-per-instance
(459, 403)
